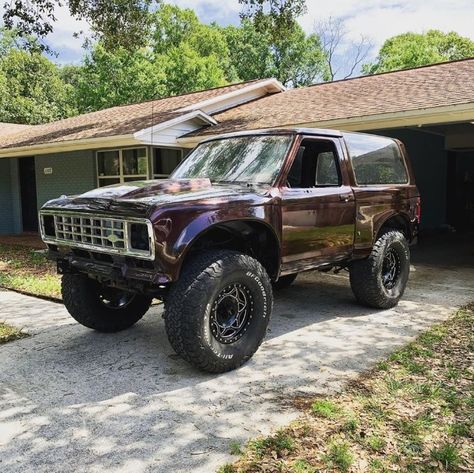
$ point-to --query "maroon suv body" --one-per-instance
(292, 200)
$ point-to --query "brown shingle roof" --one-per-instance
(412, 89)
(121, 120)
(11, 128)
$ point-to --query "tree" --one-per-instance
(109, 78)
(187, 71)
(271, 43)
(274, 16)
(250, 51)
(181, 55)
(414, 49)
(340, 61)
(31, 89)
(175, 28)
(118, 23)
(298, 58)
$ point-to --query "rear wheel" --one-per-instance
(217, 313)
(99, 307)
(379, 281)
(284, 282)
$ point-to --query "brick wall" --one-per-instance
(73, 173)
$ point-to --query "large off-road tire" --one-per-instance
(100, 308)
(284, 282)
(379, 281)
(217, 313)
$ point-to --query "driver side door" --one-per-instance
(317, 206)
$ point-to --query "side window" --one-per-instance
(375, 160)
(315, 165)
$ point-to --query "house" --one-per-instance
(430, 108)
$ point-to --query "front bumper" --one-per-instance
(119, 271)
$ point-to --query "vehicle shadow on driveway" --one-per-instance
(74, 399)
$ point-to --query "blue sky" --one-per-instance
(375, 19)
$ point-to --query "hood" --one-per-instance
(139, 198)
(146, 189)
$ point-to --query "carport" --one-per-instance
(442, 156)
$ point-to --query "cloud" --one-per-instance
(223, 12)
(379, 19)
(62, 40)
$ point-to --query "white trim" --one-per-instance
(199, 114)
(72, 145)
(211, 105)
(426, 116)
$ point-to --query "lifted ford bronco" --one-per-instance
(242, 213)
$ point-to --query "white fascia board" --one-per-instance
(117, 141)
(237, 97)
(428, 116)
(196, 114)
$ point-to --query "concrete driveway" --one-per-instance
(75, 400)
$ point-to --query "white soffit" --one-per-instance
(166, 133)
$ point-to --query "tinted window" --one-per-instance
(135, 162)
(165, 161)
(108, 163)
(376, 160)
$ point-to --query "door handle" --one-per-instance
(345, 197)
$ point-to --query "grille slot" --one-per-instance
(95, 232)
(105, 232)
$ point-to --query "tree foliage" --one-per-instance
(270, 33)
(31, 87)
(109, 78)
(273, 16)
(117, 23)
(194, 55)
(414, 49)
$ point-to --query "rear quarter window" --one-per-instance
(376, 160)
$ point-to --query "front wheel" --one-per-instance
(379, 281)
(99, 307)
(217, 313)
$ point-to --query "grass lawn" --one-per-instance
(25, 270)
(413, 413)
(9, 333)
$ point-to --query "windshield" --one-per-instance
(250, 159)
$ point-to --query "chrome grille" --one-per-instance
(95, 232)
(105, 232)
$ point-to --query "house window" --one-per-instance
(165, 161)
(122, 165)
